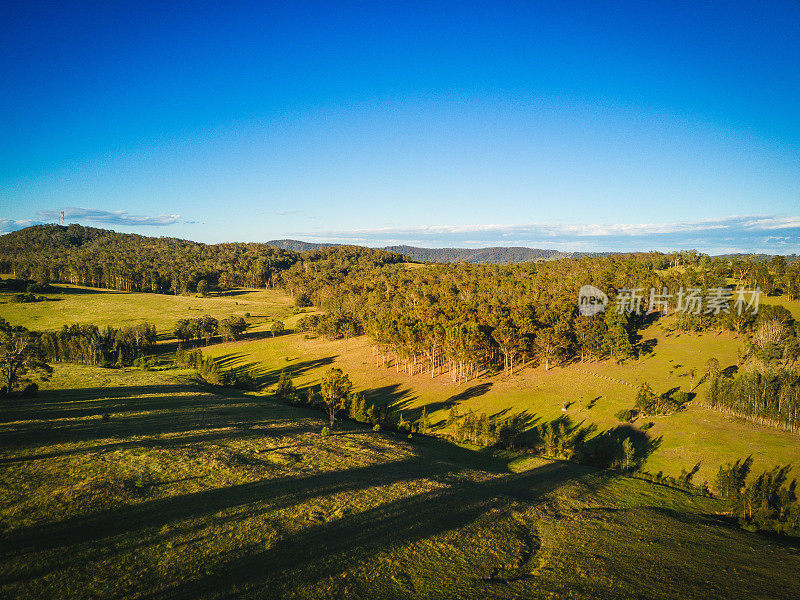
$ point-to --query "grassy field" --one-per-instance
(72, 304)
(595, 391)
(136, 484)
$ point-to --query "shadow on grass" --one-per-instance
(324, 550)
(69, 291)
(401, 399)
(316, 551)
(320, 550)
(79, 416)
(235, 362)
(392, 395)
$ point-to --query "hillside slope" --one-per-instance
(189, 492)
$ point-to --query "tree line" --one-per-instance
(766, 388)
(764, 502)
(104, 346)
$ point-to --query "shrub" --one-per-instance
(285, 388)
(626, 414)
(403, 426)
(325, 431)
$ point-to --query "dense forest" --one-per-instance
(501, 255)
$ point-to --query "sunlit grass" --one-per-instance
(73, 304)
(187, 491)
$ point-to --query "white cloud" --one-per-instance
(115, 217)
(9, 225)
(741, 233)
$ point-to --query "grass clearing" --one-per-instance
(595, 392)
(196, 492)
(73, 304)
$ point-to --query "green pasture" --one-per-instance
(73, 304)
(137, 484)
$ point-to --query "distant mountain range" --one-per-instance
(494, 254)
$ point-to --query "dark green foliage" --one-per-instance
(331, 326)
(403, 426)
(626, 414)
(302, 299)
(103, 346)
(102, 258)
(201, 328)
(623, 447)
(231, 328)
(648, 402)
(768, 502)
(731, 477)
(277, 328)
(21, 357)
(424, 422)
(28, 298)
(770, 396)
(357, 409)
(206, 366)
(240, 381)
(285, 389)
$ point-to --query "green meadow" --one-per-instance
(72, 304)
(595, 391)
(136, 484)
(128, 483)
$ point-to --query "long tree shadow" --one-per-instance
(236, 362)
(605, 449)
(471, 392)
(330, 548)
(271, 494)
(242, 432)
(83, 402)
(70, 291)
(390, 395)
(405, 403)
(144, 412)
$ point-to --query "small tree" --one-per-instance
(424, 423)
(645, 398)
(452, 417)
(335, 388)
(232, 327)
(285, 388)
(277, 327)
(202, 287)
(20, 355)
(628, 452)
(549, 437)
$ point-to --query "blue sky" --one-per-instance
(577, 126)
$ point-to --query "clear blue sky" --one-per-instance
(562, 125)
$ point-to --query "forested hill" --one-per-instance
(496, 255)
(104, 258)
(493, 255)
(299, 246)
